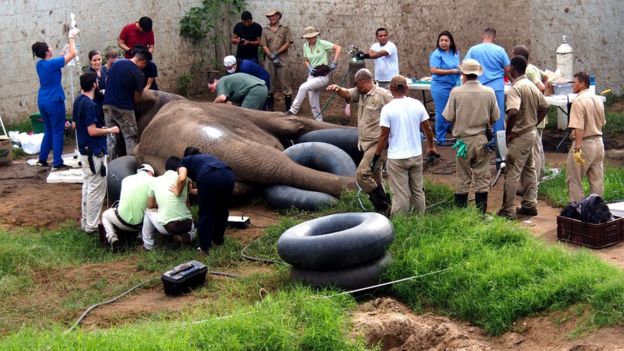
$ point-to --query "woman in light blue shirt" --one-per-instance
(444, 65)
(51, 99)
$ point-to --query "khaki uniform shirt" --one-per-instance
(369, 109)
(527, 99)
(472, 108)
(535, 76)
(275, 40)
(588, 114)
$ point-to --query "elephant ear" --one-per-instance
(151, 102)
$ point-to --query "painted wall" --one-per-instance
(594, 29)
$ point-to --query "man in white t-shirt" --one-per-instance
(386, 58)
(401, 122)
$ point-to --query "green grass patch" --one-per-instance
(615, 123)
(23, 127)
(555, 191)
(289, 320)
(495, 272)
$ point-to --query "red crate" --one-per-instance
(591, 235)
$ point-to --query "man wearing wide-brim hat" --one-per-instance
(473, 110)
(275, 41)
(315, 52)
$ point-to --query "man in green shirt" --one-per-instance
(241, 88)
(167, 213)
(129, 212)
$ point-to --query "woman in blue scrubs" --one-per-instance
(444, 65)
(51, 99)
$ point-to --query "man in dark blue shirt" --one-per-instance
(91, 135)
(123, 88)
(215, 183)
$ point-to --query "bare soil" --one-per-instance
(27, 201)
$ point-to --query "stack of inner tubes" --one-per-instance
(346, 251)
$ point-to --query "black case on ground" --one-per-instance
(182, 278)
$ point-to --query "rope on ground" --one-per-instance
(556, 172)
(359, 192)
(258, 259)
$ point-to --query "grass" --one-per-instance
(614, 126)
(555, 191)
(289, 320)
(497, 272)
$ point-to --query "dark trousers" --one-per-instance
(214, 193)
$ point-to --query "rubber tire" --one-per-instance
(319, 156)
(322, 157)
(351, 278)
(344, 138)
(118, 169)
(284, 196)
(336, 241)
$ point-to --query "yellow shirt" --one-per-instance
(369, 109)
(527, 99)
(588, 114)
(472, 108)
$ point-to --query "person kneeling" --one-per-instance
(167, 213)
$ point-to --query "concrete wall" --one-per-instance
(594, 29)
(23, 22)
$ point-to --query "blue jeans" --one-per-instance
(440, 94)
(53, 115)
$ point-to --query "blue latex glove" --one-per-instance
(311, 70)
(332, 66)
(274, 55)
(460, 148)
(491, 145)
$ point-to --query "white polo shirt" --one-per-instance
(403, 117)
(386, 67)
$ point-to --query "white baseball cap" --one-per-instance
(145, 168)
(229, 62)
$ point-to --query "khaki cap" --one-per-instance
(471, 66)
(310, 32)
(273, 12)
(398, 81)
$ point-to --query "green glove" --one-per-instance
(460, 148)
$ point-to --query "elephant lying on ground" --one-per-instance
(250, 141)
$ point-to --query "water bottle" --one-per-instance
(592, 84)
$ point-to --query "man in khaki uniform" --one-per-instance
(586, 155)
(275, 42)
(472, 109)
(526, 107)
(371, 99)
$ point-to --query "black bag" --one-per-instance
(321, 71)
(591, 209)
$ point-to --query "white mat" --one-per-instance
(73, 175)
(617, 209)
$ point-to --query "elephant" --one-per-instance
(249, 141)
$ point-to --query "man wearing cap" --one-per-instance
(587, 118)
(526, 107)
(136, 33)
(386, 57)
(472, 109)
(495, 62)
(315, 53)
(91, 135)
(275, 41)
(241, 88)
(127, 214)
(371, 98)
(401, 121)
(247, 66)
(246, 35)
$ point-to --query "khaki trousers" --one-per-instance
(406, 182)
(476, 166)
(278, 77)
(520, 162)
(366, 179)
(129, 136)
(593, 153)
(93, 192)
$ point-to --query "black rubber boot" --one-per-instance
(379, 200)
(287, 102)
(270, 103)
(481, 201)
(461, 200)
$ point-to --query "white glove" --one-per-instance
(73, 32)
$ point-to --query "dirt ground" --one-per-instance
(27, 201)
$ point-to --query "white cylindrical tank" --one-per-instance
(565, 60)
